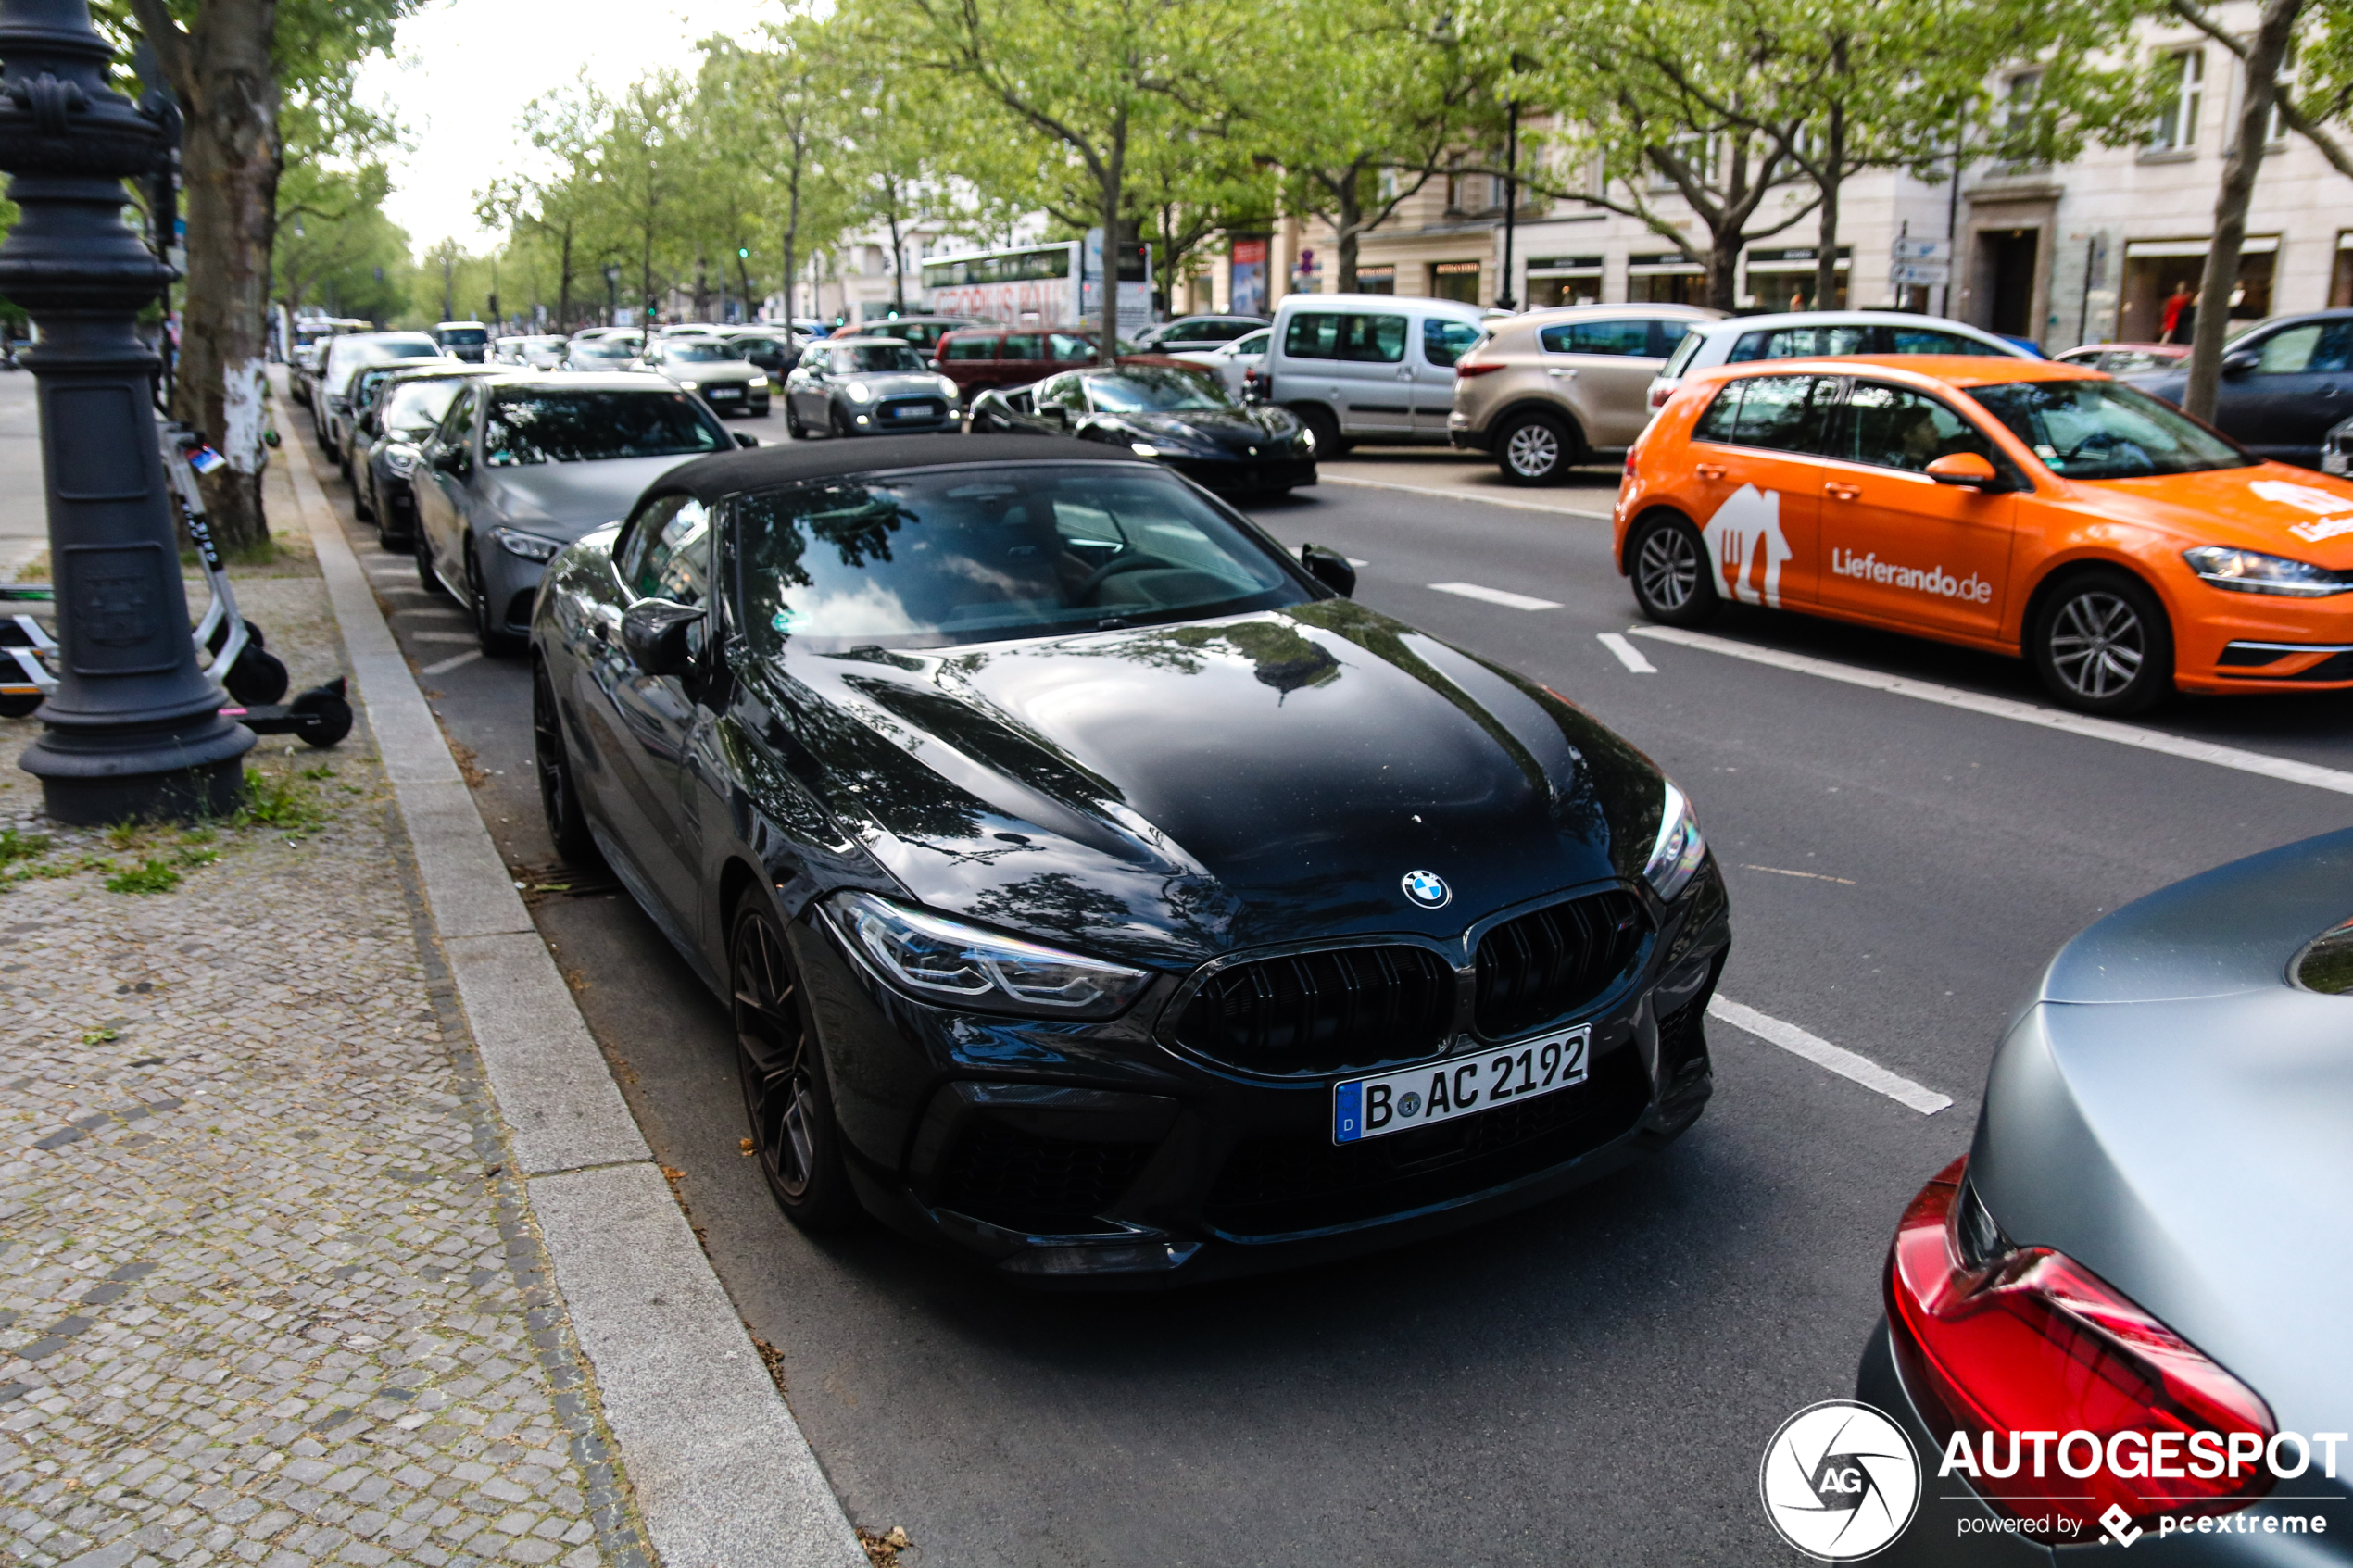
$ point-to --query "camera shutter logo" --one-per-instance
(1840, 1481)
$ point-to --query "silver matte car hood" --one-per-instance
(565, 500)
(898, 384)
(2175, 1116)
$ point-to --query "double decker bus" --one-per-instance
(1055, 285)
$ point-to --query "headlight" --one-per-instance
(401, 460)
(1146, 449)
(688, 382)
(758, 383)
(1679, 850)
(860, 392)
(2245, 571)
(948, 385)
(530, 546)
(956, 965)
(1306, 439)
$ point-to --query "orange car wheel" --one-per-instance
(2102, 644)
(1673, 582)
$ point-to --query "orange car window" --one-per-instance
(1890, 427)
(1777, 413)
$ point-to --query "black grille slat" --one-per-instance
(1328, 1012)
(1543, 965)
(1031, 1182)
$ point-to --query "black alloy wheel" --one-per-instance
(490, 635)
(841, 422)
(2102, 644)
(793, 427)
(1674, 582)
(559, 796)
(786, 1097)
(1536, 450)
(427, 578)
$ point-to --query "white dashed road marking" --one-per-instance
(443, 666)
(1821, 1053)
(441, 636)
(1627, 654)
(1495, 596)
(2281, 768)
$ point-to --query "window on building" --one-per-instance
(2025, 126)
(2276, 131)
(1454, 280)
(2182, 75)
(1377, 280)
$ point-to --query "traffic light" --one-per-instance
(743, 253)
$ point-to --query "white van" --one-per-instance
(1368, 367)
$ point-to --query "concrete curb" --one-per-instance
(722, 1473)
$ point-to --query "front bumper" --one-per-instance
(1095, 1156)
(1956, 1528)
(2242, 643)
(1242, 475)
(511, 584)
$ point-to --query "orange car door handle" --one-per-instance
(1710, 471)
(1842, 492)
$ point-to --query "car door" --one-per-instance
(1756, 484)
(1603, 367)
(2300, 384)
(440, 515)
(1441, 340)
(1357, 361)
(1896, 545)
(667, 556)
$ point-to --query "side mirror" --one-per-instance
(1332, 568)
(745, 438)
(453, 461)
(1967, 470)
(655, 632)
(2240, 363)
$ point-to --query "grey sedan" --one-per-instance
(867, 386)
(523, 464)
(2123, 1315)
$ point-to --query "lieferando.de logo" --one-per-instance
(1840, 1481)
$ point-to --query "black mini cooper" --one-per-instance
(1096, 888)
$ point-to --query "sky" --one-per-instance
(462, 72)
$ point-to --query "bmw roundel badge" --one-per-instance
(1427, 889)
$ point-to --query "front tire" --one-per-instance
(841, 423)
(427, 578)
(1674, 581)
(2102, 644)
(559, 794)
(1325, 425)
(493, 639)
(787, 1096)
(1536, 450)
(793, 427)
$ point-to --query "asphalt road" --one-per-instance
(1595, 1379)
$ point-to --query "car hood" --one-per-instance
(1235, 430)
(2173, 1113)
(2269, 506)
(1165, 794)
(718, 369)
(566, 500)
(895, 383)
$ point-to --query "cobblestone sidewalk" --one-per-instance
(268, 1294)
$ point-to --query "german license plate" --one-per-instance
(1463, 1085)
(911, 411)
(727, 392)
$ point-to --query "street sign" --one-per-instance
(1908, 249)
(1920, 274)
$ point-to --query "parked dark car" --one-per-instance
(2142, 1251)
(403, 416)
(523, 464)
(1096, 889)
(922, 332)
(772, 352)
(2283, 384)
(1182, 416)
(866, 387)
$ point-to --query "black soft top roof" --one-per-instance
(731, 473)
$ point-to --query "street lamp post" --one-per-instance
(134, 727)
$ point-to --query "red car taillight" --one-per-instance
(1472, 368)
(1659, 395)
(2027, 1344)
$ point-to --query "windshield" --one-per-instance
(467, 336)
(377, 353)
(700, 353)
(1156, 392)
(878, 356)
(596, 349)
(535, 425)
(419, 406)
(938, 558)
(2099, 430)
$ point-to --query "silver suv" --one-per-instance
(1549, 390)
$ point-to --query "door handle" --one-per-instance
(1558, 373)
(1838, 492)
(1709, 471)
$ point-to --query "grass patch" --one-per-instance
(17, 847)
(148, 876)
(281, 803)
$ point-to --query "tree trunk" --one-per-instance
(230, 160)
(2264, 55)
(1833, 175)
(1723, 271)
(897, 251)
(792, 236)
(563, 285)
(1114, 194)
(1348, 207)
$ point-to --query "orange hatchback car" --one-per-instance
(2018, 506)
